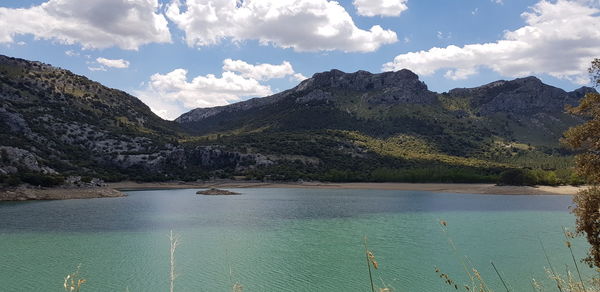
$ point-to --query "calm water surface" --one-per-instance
(280, 240)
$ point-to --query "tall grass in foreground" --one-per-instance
(569, 282)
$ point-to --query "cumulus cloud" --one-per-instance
(169, 95)
(118, 63)
(304, 25)
(559, 39)
(206, 91)
(127, 24)
(380, 7)
(259, 72)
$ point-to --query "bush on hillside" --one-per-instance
(517, 177)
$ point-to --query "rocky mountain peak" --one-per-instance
(582, 91)
(361, 80)
(521, 96)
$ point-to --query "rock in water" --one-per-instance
(216, 192)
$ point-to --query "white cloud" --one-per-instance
(258, 72)
(127, 24)
(559, 39)
(118, 63)
(380, 7)
(304, 25)
(99, 68)
(72, 53)
(169, 95)
(501, 2)
(299, 77)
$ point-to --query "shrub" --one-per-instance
(44, 180)
(587, 211)
(517, 177)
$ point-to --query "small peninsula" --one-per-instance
(216, 192)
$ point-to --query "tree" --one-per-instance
(585, 138)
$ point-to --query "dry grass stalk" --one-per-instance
(371, 261)
(73, 282)
(237, 287)
(369, 256)
(174, 240)
(477, 282)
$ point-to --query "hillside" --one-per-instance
(54, 121)
(334, 126)
(391, 123)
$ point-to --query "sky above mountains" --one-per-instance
(182, 54)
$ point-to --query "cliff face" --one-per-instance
(520, 96)
(389, 88)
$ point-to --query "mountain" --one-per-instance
(386, 103)
(334, 126)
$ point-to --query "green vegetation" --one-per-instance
(586, 139)
(79, 127)
(32, 178)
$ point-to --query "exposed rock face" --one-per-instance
(397, 87)
(401, 86)
(77, 182)
(13, 159)
(15, 121)
(315, 95)
(362, 80)
(520, 96)
(52, 117)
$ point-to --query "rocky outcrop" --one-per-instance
(397, 87)
(520, 96)
(401, 86)
(15, 121)
(14, 159)
(315, 95)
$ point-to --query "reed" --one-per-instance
(74, 281)
(174, 240)
(564, 283)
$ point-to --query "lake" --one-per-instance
(282, 240)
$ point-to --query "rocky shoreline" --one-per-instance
(29, 194)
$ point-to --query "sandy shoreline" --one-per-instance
(116, 189)
(431, 187)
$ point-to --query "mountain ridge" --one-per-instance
(334, 126)
(398, 86)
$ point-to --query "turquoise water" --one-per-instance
(280, 240)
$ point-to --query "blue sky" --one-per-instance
(489, 40)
